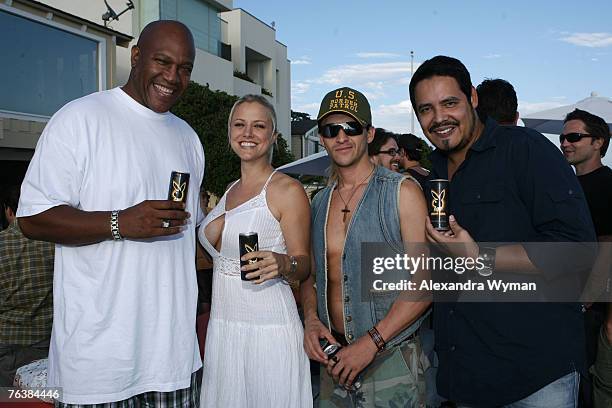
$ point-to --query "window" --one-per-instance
(45, 67)
(201, 19)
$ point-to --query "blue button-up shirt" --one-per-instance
(514, 186)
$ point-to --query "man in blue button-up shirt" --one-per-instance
(507, 184)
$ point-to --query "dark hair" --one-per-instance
(497, 100)
(411, 145)
(10, 198)
(442, 66)
(380, 138)
(595, 126)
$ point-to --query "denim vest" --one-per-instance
(375, 219)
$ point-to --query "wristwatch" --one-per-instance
(487, 257)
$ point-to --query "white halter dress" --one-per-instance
(254, 356)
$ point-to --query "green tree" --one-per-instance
(207, 111)
(299, 116)
(425, 161)
(282, 154)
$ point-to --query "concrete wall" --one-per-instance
(93, 10)
(233, 37)
(20, 134)
(270, 69)
(281, 90)
(245, 31)
(242, 87)
(214, 71)
(229, 4)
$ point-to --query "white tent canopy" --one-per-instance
(551, 120)
(313, 165)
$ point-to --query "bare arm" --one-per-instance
(308, 294)
(203, 259)
(313, 328)
(295, 224)
(67, 225)
(288, 201)
(598, 285)
(413, 215)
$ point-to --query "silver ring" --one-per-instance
(165, 224)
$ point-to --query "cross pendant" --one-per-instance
(345, 210)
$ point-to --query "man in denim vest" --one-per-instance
(363, 203)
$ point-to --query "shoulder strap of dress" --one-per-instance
(268, 180)
(231, 186)
(222, 200)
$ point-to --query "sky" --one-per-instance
(553, 52)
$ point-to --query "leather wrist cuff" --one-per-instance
(377, 338)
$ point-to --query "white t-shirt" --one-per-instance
(124, 312)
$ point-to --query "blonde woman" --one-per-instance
(254, 355)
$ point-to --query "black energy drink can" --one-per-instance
(177, 191)
(248, 242)
(331, 350)
(438, 204)
(179, 186)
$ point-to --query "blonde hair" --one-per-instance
(332, 172)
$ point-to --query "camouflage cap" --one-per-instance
(349, 101)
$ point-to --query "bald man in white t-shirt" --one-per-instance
(125, 288)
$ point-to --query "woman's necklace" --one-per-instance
(346, 210)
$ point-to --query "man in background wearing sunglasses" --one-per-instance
(364, 203)
(584, 142)
(384, 151)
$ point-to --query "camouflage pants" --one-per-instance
(394, 379)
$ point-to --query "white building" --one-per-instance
(305, 138)
(55, 51)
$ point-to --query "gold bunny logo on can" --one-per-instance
(179, 186)
(248, 242)
(438, 204)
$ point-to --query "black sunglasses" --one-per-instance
(572, 137)
(332, 129)
(390, 152)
